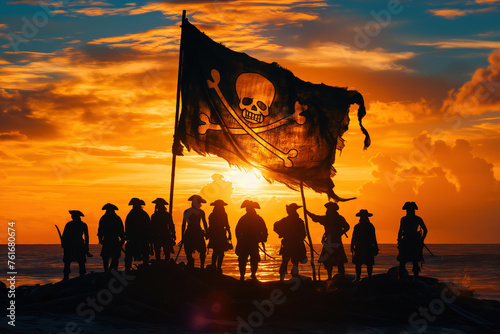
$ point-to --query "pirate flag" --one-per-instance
(256, 114)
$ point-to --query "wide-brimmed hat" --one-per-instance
(250, 204)
(332, 205)
(293, 206)
(364, 213)
(136, 201)
(109, 206)
(197, 198)
(218, 202)
(77, 213)
(160, 200)
(410, 206)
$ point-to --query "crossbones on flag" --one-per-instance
(256, 114)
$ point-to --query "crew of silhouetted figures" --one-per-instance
(143, 237)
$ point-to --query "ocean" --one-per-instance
(476, 267)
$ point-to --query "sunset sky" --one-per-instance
(87, 101)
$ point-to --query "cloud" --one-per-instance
(18, 120)
(452, 188)
(452, 14)
(480, 94)
(462, 44)
(12, 135)
(397, 112)
(338, 55)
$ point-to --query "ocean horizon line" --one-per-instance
(345, 243)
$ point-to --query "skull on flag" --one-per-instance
(256, 94)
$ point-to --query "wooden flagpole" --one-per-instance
(177, 105)
(307, 230)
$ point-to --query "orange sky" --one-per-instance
(88, 103)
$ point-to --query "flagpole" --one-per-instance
(177, 104)
(307, 230)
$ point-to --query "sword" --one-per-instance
(311, 247)
(428, 250)
(265, 253)
(180, 247)
(60, 238)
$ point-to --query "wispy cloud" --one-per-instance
(453, 13)
(463, 44)
(338, 55)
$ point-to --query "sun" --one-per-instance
(251, 180)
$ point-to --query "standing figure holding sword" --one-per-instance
(250, 231)
(75, 242)
(333, 253)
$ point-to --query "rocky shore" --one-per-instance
(168, 297)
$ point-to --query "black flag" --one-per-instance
(256, 114)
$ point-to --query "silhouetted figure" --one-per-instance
(250, 231)
(333, 253)
(111, 236)
(411, 236)
(219, 233)
(193, 236)
(163, 229)
(75, 242)
(292, 230)
(364, 244)
(137, 234)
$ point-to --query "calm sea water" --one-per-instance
(474, 266)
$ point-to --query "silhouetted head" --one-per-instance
(219, 205)
(363, 215)
(160, 204)
(136, 203)
(109, 207)
(292, 208)
(250, 206)
(76, 214)
(410, 208)
(196, 201)
(331, 206)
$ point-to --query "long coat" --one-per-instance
(163, 230)
(293, 232)
(364, 243)
(111, 235)
(333, 253)
(250, 231)
(137, 233)
(410, 243)
(73, 242)
(218, 224)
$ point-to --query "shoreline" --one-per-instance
(168, 295)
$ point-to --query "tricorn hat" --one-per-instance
(293, 206)
(77, 213)
(250, 204)
(198, 198)
(160, 200)
(109, 206)
(136, 201)
(332, 205)
(364, 213)
(218, 202)
(410, 206)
